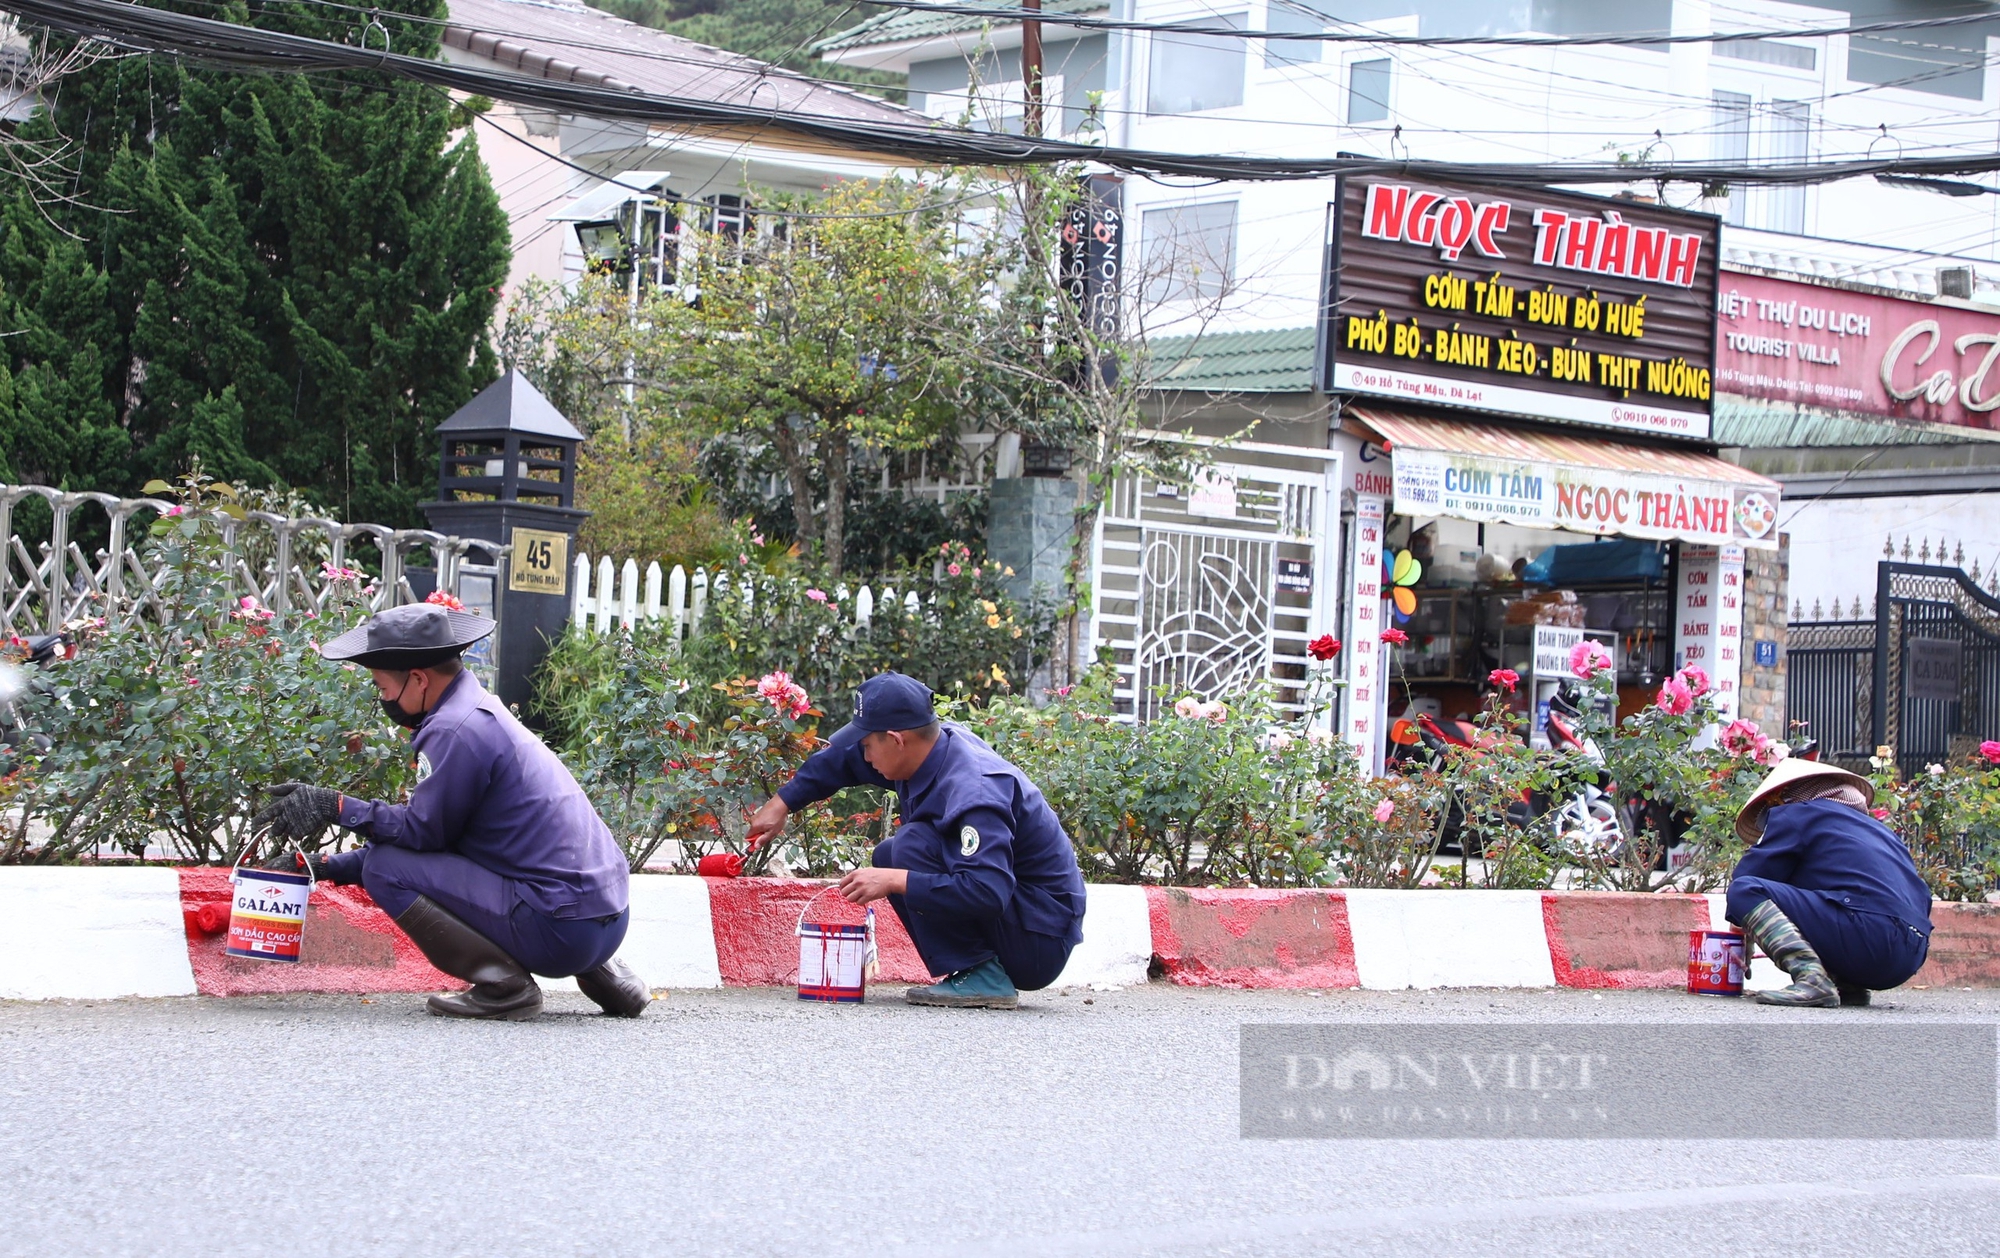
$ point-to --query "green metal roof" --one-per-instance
(1757, 425)
(1280, 361)
(899, 25)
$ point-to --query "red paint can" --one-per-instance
(1717, 961)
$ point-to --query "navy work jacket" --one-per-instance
(1002, 843)
(489, 790)
(1845, 855)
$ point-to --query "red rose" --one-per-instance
(1395, 637)
(1505, 678)
(1324, 647)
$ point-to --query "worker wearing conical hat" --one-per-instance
(1827, 891)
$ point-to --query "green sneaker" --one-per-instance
(984, 986)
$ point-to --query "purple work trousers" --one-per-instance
(553, 947)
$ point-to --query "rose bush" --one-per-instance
(167, 733)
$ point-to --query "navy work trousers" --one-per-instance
(1871, 950)
(950, 944)
(553, 947)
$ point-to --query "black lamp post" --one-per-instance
(508, 475)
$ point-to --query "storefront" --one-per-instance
(1525, 381)
(1522, 543)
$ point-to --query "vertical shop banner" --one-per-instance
(1556, 306)
(1708, 629)
(1093, 260)
(1364, 637)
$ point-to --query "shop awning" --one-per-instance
(1497, 474)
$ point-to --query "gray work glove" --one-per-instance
(298, 811)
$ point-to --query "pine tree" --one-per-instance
(289, 277)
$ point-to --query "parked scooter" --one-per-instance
(16, 680)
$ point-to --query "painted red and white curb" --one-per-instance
(100, 933)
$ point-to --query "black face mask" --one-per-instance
(393, 709)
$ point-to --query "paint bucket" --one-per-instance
(835, 960)
(1717, 962)
(267, 912)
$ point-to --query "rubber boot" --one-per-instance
(984, 986)
(1812, 987)
(1852, 995)
(501, 987)
(616, 989)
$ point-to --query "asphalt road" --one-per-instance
(744, 1122)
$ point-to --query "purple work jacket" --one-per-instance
(489, 790)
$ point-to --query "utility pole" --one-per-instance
(1031, 71)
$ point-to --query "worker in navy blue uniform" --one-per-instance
(1827, 891)
(980, 872)
(498, 868)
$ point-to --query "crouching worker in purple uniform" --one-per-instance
(498, 868)
(981, 873)
(1830, 893)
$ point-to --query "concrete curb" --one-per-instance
(94, 933)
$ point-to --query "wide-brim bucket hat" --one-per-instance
(415, 635)
(1750, 821)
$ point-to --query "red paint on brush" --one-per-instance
(1252, 938)
(756, 924)
(350, 946)
(1620, 939)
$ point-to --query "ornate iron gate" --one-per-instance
(1922, 676)
(1937, 663)
(1211, 588)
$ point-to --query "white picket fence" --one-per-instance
(614, 598)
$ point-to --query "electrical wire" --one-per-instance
(1005, 13)
(211, 42)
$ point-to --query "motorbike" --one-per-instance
(16, 680)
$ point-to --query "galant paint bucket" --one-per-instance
(1717, 962)
(267, 913)
(835, 960)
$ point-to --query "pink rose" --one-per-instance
(953, 569)
(1694, 679)
(1742, 738)
(1395, 637)
(816, 595)
(782, 693)
(1675, 698)
(1880, 814)
(1503, 679)
(1385, 810)
(1188, 708)
(1991, 750)
(1772, 752)
(1588, 658)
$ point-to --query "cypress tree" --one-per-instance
(289, 277)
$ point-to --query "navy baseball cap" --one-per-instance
(889, 701)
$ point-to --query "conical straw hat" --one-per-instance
(1750, 822)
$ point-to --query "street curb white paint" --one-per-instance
(75, 933)
(671, 942)
(1449, 939)
(1117, 947)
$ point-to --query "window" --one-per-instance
(1791, 133)
(1731, 128)
(1292, 15)
(1770, 52)
(1368, 90)
(1189, 251)
(1191, 73)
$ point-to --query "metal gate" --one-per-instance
(1923, 676)
(1212, 587)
